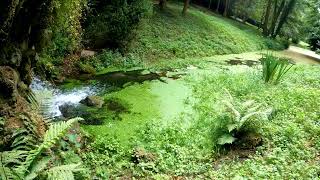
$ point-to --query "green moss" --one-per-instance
(70, 84)
(143, 103)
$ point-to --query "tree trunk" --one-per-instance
(217, 9)
(276, 14)
(226, 8)
(185, 7)
(209, 5)
(284, 16)
(21, 27)
(162, 4)
(266, 18)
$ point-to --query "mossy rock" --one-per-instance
(91, 115)
(93, 101)
(9, 79)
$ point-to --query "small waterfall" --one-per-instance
(50, 97)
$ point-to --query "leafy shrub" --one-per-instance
(63, 35)
(314, 41)
(104, 155)
(285, 43)
(274, 68)
(112, 23)
(108, 58)
(295, 40)
(239, 118)
(314, 37)
(86, 68)
(65, 29)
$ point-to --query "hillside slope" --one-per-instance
(168, 35)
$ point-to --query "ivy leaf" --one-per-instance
(226, 139)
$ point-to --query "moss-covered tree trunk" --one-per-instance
(21, 25)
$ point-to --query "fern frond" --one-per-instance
(64, 172)
(15, 157)
(9, 158)
(55, 132)
(254, 108)
(32, 99)
(233, 110)
(248, 116)
(248, 104)
(7, 173)
(40, 166)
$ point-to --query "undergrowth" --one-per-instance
(187, 147)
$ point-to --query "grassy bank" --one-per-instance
(167, 36)
(172, 140)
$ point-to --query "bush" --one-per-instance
(285, 43)
(108, 59)
(274, 68)
(275, 45)
(314, 37)
(314, 41)
(112, 23)
(65, 29)
(238, 120)
(63, 35)
(295, 40)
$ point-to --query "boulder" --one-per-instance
(87, 53)
(11, 56)
(9, 79)
(69, 110)
(74, 110)
(94, 101)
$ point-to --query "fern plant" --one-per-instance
(237, 117)
(274, 68)
(22, 164)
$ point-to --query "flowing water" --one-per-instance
(50, 97)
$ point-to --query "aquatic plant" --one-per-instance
(274, 68)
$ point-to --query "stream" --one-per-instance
(50, 97)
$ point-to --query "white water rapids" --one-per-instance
(50, 98)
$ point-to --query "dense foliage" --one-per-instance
(314, 26)
(112, 23)
(64, 32)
